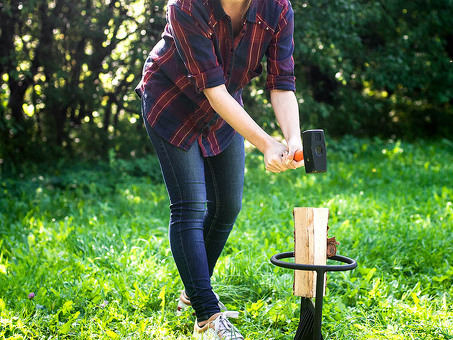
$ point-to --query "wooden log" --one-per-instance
(310, 247)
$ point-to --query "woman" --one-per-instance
(192, 107)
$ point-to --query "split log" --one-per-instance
(310, 247)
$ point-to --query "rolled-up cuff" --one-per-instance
(287, 83)
(210, 78)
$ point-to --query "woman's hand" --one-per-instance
(273, 157)
(294, 144)
(278, 157)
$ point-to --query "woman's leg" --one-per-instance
(184, 176)
(224, 184)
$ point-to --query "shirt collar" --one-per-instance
(219, 13)
(251, 13)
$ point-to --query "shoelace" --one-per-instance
(225, 329)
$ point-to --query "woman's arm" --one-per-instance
(233, 113)
(286, 111)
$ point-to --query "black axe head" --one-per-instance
(315, 155)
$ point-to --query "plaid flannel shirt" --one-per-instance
(199, 50)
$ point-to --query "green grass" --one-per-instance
(91, 243)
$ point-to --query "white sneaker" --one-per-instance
(184, 302)
(218, 327)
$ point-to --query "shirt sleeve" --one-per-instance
(195, 48)
(280, 61)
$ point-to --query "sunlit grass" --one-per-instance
(91, 244)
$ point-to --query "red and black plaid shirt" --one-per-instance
(198, 50)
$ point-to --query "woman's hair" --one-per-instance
(247, 6)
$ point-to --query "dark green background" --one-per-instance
(363, 68)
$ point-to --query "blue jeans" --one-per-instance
(205, 199)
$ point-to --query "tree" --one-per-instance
(376, 67)
(66, 64)
(68, 72)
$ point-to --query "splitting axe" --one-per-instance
(314, 151)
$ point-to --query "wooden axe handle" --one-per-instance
(298, 155)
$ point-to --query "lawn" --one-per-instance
(84, 252)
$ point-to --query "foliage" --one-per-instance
(371, 68)
(66, 64)
(379, 67)
(364, 68)
(90, 241)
